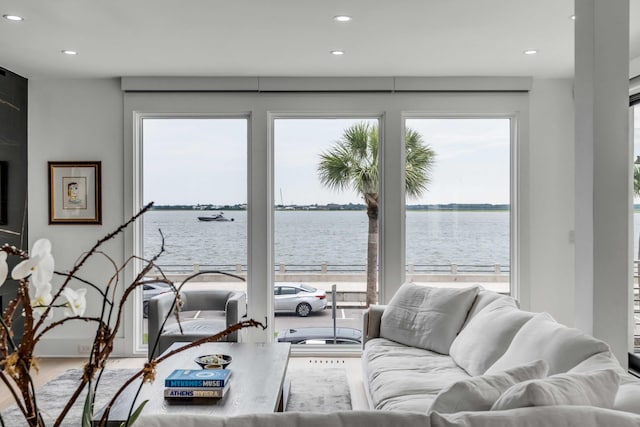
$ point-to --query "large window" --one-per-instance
(195, 172)
(458, 202)
(299, 231)
(325, 226)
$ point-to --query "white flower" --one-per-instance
(76, 301)
(42, 299)
(39, 265)
(4, 268)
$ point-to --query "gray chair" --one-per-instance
(218, 310)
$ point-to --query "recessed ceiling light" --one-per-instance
(337, 52)
(572, 17)
(530, 52)
(13, 17)
(69, 52)
(342, 18)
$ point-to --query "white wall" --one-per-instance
(551, 198)
(76, 120)
(83, 120)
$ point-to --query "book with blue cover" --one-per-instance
(198, 378)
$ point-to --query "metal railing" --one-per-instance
(324, 268)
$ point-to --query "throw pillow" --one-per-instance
(480, 393)
(487, 336)
(543, 338)
(485, 298)
(590, 389)
(426, 317)
(598, 362)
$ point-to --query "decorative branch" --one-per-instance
(88, 254)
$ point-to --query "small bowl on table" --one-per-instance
(213, 361)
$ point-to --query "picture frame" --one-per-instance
(4, 168)
(75, 192)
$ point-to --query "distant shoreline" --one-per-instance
(452, 207)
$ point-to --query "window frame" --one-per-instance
(261, 107)
(514, 250)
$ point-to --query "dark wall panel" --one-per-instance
(13, 154)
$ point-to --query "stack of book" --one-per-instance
(191, 383)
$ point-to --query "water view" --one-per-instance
(309, 238)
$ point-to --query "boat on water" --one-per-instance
(216, 217)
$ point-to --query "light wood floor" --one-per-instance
(52, 367)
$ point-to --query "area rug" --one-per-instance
(54, 394)
(318, 390)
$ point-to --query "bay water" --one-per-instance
(307, 239)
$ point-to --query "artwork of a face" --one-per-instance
(72, 192)
(76, 193)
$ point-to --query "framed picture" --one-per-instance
(3, 192)
(75, 193)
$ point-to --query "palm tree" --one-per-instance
(352, 163)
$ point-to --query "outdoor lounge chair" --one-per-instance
(204, 312)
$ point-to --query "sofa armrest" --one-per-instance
(371, 322)
(235, 309)
(159, 307)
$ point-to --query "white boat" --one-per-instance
(217, 217)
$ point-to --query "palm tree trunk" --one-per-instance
(372, 254)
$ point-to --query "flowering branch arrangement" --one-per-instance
(36, 302)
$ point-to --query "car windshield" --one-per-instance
(307, 288)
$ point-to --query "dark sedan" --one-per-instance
(320, 336)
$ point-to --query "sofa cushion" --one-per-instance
(487, 336)
(480, 393)
(193, 329)
(599, 362)
(550, 416)
(543, 338)
(628, 397)
(400, 377)
(426, 317)
(586, 389)
(483, 299)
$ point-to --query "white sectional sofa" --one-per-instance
(430, 340)
(442, 358)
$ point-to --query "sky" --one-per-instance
(192, 161)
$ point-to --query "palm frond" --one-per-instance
(420, 159)
(353, 162)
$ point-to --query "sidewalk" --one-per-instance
(349, 294)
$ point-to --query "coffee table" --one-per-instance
(256, 384)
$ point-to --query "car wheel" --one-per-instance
(303, 309)
(145, 309)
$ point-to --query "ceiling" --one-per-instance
(291, 37)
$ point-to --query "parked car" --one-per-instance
(320, 336)
(299, 298)
(150, 290)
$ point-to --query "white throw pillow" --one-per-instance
(598, 362)
(543, 338)
(483, 299)
(426, 317)
(487, 336)
(480, 393)
(589, 389)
